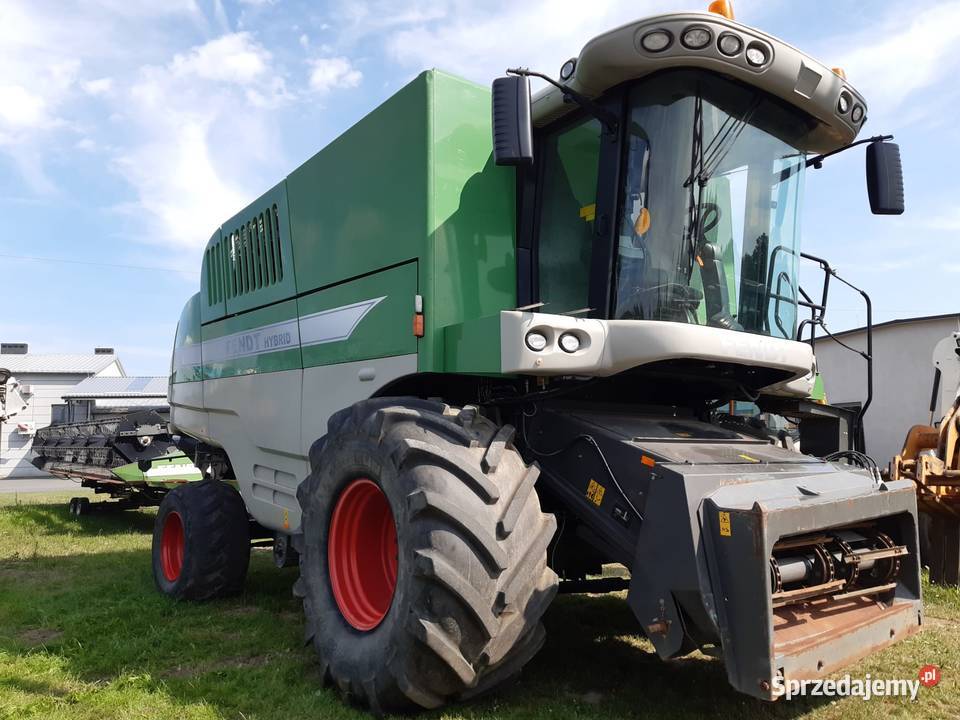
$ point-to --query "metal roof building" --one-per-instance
(119, 387)
(72, 364)
(43, 381)
(903, 376)
(110, 396)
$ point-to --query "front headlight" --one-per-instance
(569, 342)
(536, 341)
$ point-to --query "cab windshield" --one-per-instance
(709, 207)
(709, 226)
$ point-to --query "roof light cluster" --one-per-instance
(844, 104)
(731, 44)
(697, 37)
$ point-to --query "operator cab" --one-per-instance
(707, 207)
(669, 171)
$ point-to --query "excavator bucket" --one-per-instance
(931, 460)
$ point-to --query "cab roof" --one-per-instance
(619, 55)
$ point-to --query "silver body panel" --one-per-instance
(608, 347)
(266, 423)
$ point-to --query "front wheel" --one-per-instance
(201, 542)
(423, 570)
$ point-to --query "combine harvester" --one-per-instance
(444, 385)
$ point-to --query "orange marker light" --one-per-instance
(647, 460)
(418, 324)
(839, 72)
(722, 7)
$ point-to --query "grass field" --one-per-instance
(83, 634)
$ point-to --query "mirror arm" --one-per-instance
(817, 160)
(610, 121)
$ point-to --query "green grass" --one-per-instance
(83, 634)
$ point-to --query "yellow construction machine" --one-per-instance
(931, 458)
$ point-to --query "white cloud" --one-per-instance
(20, 108)
(235, 58)
(948, 220)
(85, 144)
(333, 72)
(40, 59)
(100, 86)
(907, 51)
(205, 143)
(479, 43)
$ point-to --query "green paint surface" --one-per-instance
(187, 471)
(188, 335)
(360, 204)
(386, 330)
(212, 299)
(470, 269)
(473, 346)
(819, 392)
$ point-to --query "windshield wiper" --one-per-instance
(720, 145)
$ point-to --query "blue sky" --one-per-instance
(129, 129)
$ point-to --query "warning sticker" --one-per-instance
(725, 524)
(595, 492)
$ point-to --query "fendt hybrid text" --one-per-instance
(482, 344)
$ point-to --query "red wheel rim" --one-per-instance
(171, 546)
(362, 554)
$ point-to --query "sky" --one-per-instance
(130, 129)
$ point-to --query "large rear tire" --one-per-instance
(201, 542)
(424, 571)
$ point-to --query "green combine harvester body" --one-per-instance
(409, 364)
(407, 202)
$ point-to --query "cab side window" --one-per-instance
(567, 209)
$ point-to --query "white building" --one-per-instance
(43, 381)
(902, 376)
(99, 397)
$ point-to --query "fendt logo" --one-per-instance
(929, 676)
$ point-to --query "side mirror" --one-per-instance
(512, 125)
(884, 178)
